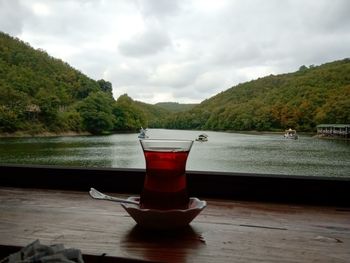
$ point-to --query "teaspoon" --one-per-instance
(100, 196)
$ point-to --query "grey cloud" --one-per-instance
(68, 21)
(133, 76)
(183, 50)
(144, 44)
(325, 17)
(239, 54)
(12, 16)
(94, 60)
(158, 8)
(176, 75)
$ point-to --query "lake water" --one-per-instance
(228, 152)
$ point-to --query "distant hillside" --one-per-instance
(152, 116)
(303, 99)
(39, 94)
(175, 106)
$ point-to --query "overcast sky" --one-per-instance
(184, 51)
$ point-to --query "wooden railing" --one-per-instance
(240, 186)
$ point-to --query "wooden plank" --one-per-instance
(226, 231)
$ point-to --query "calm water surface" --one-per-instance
(228, 152)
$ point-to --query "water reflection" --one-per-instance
(164, 246)
(229, 152)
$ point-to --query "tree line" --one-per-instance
(39, 93)
(301, 100)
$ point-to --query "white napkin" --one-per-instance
(38, 253)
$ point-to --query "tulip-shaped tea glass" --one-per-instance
(165, 184)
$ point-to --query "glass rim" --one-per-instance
(166, 145)
(167, 140)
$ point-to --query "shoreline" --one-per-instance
(268, 132)
(43, 134)
(22, 134)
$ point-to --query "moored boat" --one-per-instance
(291, 134)
(142, 134)
(202, 138)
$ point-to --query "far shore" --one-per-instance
(255, 132)
(22, 134)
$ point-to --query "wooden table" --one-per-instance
(226, 231)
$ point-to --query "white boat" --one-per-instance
(291, 134)
(202, 138)
(142, 134)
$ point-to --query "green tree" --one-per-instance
(70, 121)
(302, 68)
(31, 79)
(128, 115)
(105, 86)
(13, 105)
(49, 104)
(9, 121)
(97, 113)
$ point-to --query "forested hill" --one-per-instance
(39, 93)
(175, 106)
(301, 100)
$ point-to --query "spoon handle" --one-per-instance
(100, 196)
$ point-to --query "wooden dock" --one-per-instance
(334, 130)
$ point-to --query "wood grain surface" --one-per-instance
(226, 231)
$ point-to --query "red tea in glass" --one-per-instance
(165, 184)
